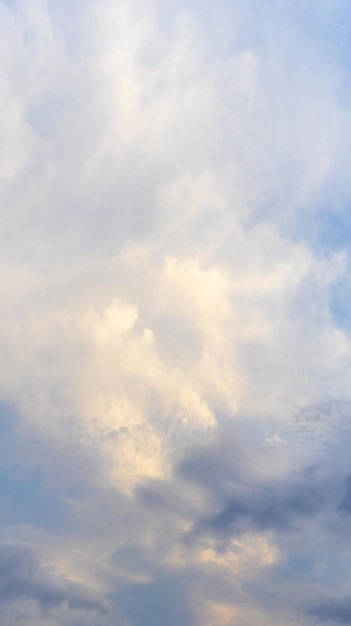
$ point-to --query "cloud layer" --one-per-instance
(175, 336)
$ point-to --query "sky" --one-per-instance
(175, 321)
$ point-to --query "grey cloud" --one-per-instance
(265, 509)
(336, 610)
(22, 576)
(244, 499)
(16, 565)
(345, 504)
(232, 459)
(151, 494)
(208, 469)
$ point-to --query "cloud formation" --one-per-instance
(174, 337)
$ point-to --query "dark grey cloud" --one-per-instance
(345, 504)
(23, 576)
(209, 468)
(243, 498)
(335, 610)
(276, 508)
(228, 461)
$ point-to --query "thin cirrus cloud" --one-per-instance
(174, 338)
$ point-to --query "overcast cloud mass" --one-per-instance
(175, 336)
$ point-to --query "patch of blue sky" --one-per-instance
(329, 232)
(25, 500)
(325, 228)
(340, 304)
(168, 592)
(329, 23)
(333, 229)
(298, 567)
(323, 24)
(25, 497)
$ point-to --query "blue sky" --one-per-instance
(175, 318)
